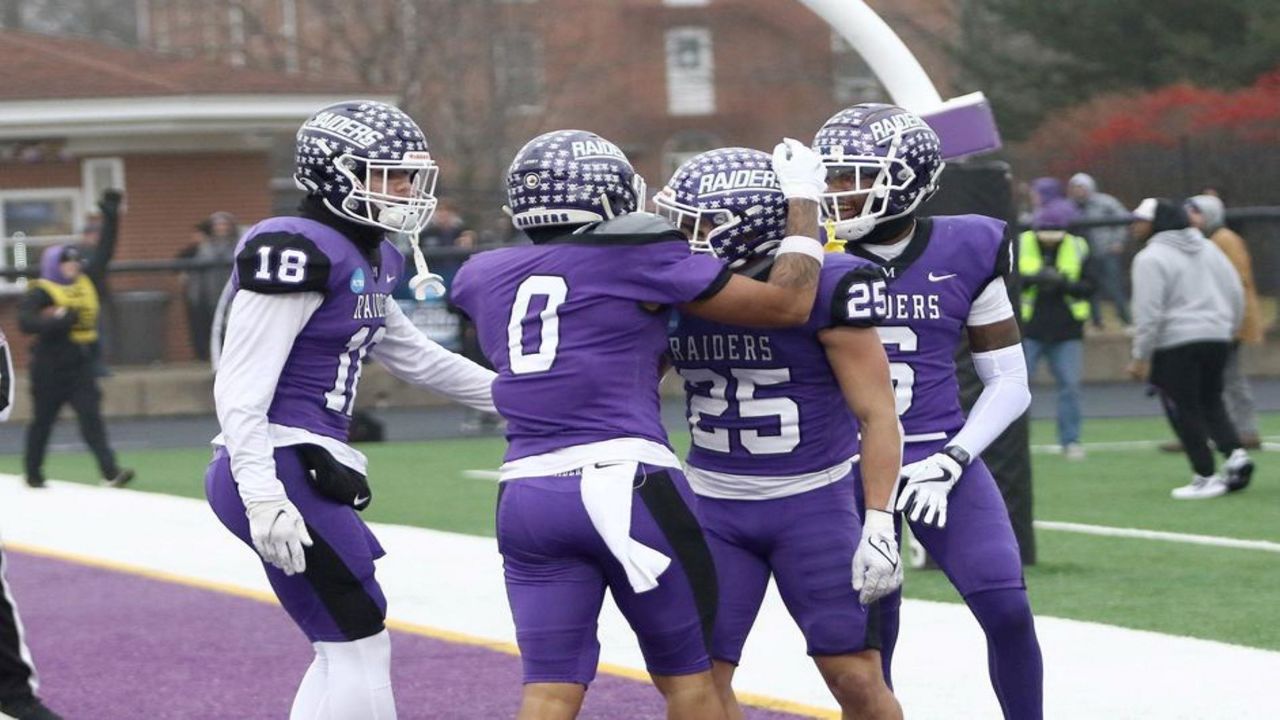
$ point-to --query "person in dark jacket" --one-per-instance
(61, 310)
(1057, 281)
(203, 287)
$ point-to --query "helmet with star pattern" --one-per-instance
(349, 154)
(727, 202)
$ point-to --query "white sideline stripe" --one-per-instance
(454, 583)
(1269, 443)
(1214, 540)
(481, 474)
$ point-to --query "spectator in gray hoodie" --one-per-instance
(1106, 243)
(1187, 304)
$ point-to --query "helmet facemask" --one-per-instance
(873, 179)
(704, 227)
(397, 213)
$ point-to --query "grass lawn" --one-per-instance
(1215, 593)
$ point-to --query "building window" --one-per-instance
(517, 65)
(853, 81)
(30, 221)
(684, 145)
(691, 88)
(235, 29)
(98, 175)
(289, 31)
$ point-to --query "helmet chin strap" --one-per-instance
(424, 281)
(856, 228)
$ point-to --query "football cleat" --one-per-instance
(1238, 470)
(120, 479)
(31, 709)
(1201, 488)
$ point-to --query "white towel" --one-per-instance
(606, 493)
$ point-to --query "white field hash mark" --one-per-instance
(1106, 531)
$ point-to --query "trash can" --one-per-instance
(141, 329)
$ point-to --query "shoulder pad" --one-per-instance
(860, 298)
(635, 223)
(276, 262)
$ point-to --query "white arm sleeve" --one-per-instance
(415, 359)
(1004, 398)
(991, 306)
(260, 334)
(6, 379)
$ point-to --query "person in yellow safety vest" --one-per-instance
(1057, 280)
(61, 310)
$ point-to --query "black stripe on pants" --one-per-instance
(1189, 378)
(17, 675)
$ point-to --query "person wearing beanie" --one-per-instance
(1057, 282)
(1106, 244)
(1188, 303)
(61, 310)
(1208, 214)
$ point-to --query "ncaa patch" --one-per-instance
(357, 281)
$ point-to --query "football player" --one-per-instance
(945, 276)
(592, 496)
(312, 300)
(772, 417)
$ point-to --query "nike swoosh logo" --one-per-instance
(883, 547)
(391, 278)
(937, 278)
(602, 466)
(359, 500)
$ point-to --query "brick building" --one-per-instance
(182, 138)
(663, 78)
(194, 117)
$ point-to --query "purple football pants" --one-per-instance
(806, 542)
(557, 569)
(337, 599)
(979, 554)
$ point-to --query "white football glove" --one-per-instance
(925, 486)
(279, 534)
(877, 566)
(799, 170)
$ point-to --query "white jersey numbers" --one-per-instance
(554, 289)
(708, 399)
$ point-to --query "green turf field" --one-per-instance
(1215, 593)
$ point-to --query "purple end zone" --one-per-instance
(111, 645)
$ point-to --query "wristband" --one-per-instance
(959, 454)
(803, 245)
(878, 520)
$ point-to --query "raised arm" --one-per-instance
(787, 298)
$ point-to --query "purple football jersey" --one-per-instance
(931, 287)
(765, 402)
(317, 387)
(576, 352)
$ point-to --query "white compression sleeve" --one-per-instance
(1005, 396)
(357, 681)
(414, 358)
(991, 306)
(260, 334)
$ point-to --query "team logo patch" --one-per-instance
(357, 281)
